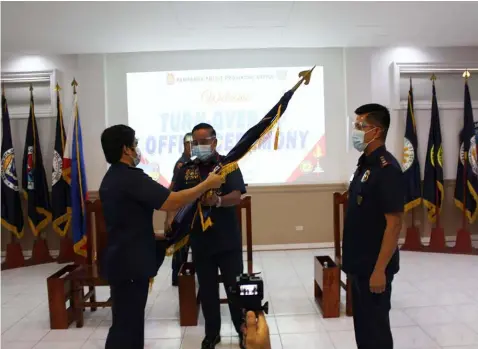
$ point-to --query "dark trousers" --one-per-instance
(129, 300)
(179, 258)
(230, 264)
(371, 315)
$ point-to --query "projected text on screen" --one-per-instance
(164, 106)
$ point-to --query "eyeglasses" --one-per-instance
(204, 141)
(360, 125)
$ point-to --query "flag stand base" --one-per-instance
(412, 240)
(14, 256)
(67, 254)
(40, 253)
(463, 243)
(437, 240)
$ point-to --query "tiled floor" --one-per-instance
(435, 305)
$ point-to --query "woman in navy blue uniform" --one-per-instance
(133, 255)
(372, 226)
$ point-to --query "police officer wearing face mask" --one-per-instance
(372, 226)
(132, 255)
(220, 247)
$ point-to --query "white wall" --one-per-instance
(352, 77)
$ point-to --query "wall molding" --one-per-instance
(401, 68)
(10, 79)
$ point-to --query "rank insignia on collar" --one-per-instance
(383, 161)
(365, 176)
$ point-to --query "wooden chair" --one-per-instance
(340, 207)
(87, 274)
(246, 206)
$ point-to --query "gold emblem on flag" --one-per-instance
(408, 154)
(359, 199)
(471, 156)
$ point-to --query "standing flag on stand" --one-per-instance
(74, 174)
(12, 215)
(433, 192)
(34, 182)
(466, 188)
(60, 190)
(411, 165)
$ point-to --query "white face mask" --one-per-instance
(137, 158)
(202, 151)
(358, 139)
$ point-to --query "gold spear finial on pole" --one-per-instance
(466, 75)
(305, 75)
(57, 87)
(433, 78)
(74, 84)
(31, 90)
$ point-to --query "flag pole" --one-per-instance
(13, 252)
(463, 244)
(437, 235)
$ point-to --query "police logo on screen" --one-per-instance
(170, 79)
(30, 170)
(306, 166)
(9, 171)
(57, 167)
(408, 155)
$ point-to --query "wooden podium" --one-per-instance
(327, 286)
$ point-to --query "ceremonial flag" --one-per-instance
(60, 190)
(74, 174)
(410, 163)
(433, 192)
(34, 182)
(466, 186)
(12, 215)
(178, 236)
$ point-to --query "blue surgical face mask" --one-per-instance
(202, 151)
(358, 139)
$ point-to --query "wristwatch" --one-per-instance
(219, 201)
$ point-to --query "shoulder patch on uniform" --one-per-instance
(383, 162)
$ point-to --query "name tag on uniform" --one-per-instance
(359, 199)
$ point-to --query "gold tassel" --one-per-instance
(177, 246)
(276, 140)
(151, 282)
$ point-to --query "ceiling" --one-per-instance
(107, 27)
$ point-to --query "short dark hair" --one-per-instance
(113, 139)
(377, 115)
(204, 126)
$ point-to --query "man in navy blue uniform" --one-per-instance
(180, 256)
(221, 245)
(372, 226)
(133, 256)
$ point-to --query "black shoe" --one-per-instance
(209, 343)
